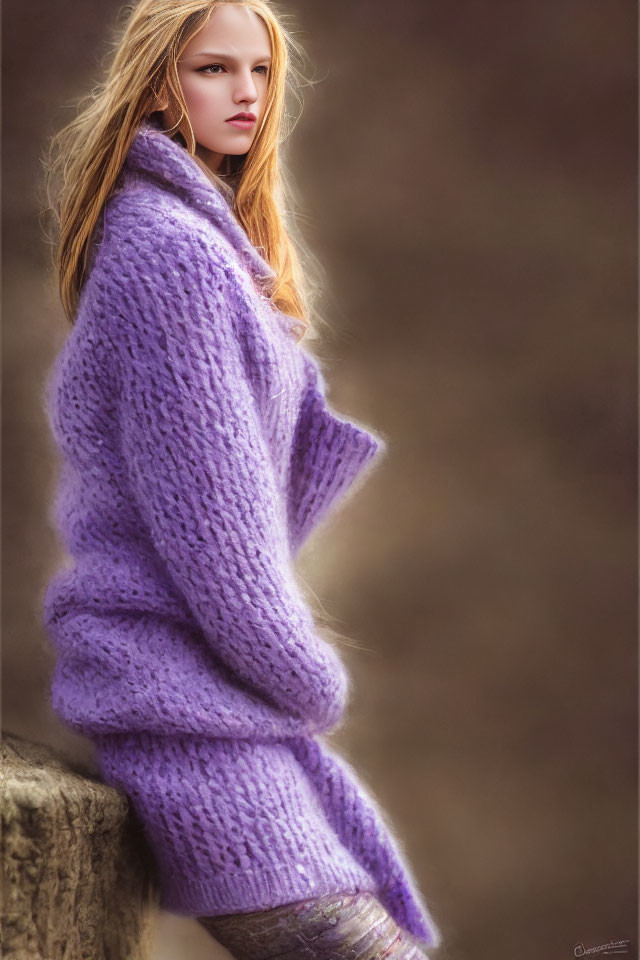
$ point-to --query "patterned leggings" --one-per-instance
(352, 926)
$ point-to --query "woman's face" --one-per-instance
(223, 71)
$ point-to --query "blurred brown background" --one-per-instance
(468, 180)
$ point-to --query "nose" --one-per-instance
(245, 89)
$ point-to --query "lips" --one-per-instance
(243, 116)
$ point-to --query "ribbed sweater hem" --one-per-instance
(252, 891)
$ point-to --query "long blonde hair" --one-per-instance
(86, 156)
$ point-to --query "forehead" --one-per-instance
(233, 31)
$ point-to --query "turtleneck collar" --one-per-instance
(153, 153)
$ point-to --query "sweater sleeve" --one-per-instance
(201, 475)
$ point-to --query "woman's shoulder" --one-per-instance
(140, 211)
(160, 266)
(146, 231)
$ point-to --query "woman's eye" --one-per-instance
(210, 66)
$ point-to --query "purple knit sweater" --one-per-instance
(198, 451)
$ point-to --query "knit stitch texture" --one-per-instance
(198, 451)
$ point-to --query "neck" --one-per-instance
(215, 161)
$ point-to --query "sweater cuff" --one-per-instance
(332, 456)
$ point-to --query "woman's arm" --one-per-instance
(201, 474)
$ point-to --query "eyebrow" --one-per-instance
(223, 56)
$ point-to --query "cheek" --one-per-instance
(197, 94)
(204, 100)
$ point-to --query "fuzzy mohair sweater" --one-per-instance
(198, 451)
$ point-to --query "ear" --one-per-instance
(174, 119)
(160, 100)
(172, 116)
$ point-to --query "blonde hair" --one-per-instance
(86, 156)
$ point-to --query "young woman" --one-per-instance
(198, 453)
